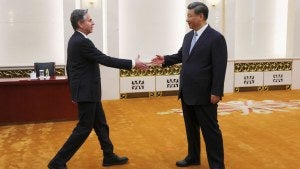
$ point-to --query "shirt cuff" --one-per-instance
(133, 63)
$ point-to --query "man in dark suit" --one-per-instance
(204, 58)
(84, 80)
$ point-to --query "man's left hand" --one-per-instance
(214, 99)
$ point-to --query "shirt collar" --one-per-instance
(82, 33)
(200, 31)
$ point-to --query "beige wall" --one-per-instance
(31, 31)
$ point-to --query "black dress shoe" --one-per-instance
(114, 160)
(53, 166)
(187, 162)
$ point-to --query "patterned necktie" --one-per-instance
(194, 40)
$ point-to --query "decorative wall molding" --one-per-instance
(262, 88)
(148, 94)
(263, 76)
(20, 72)
(154, 82)
(263, 66)
(152, 71)
(254, 75)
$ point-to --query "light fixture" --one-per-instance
(92, 1)
(214, 2)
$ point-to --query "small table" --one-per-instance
(25, 100)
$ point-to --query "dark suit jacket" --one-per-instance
(83, 68)
(203, 70)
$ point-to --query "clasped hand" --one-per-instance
(139, 64)
(157, 60)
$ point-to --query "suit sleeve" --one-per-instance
(173, 59)
(90, 52)
(219, 64)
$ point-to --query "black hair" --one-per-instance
(199, 8)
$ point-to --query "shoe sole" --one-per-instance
(52, 167)
(120, 163)
(187, 165)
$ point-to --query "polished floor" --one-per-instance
(261, 130)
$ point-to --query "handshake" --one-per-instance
(157, 60)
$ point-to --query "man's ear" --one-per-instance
(201, 15)
(79, 23)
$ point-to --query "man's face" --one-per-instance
(86, 26)
(194, 20)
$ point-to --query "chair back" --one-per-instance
(43, 66)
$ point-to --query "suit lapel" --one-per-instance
(187, 45)
(189, 40)
(201, 40)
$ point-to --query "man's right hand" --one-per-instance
(139, 64)
(158, 60)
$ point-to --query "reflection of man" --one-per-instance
(84, 79)
(204, 58)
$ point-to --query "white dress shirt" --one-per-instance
(200, 31)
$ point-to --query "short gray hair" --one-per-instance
(77, 15)
(199, 8)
